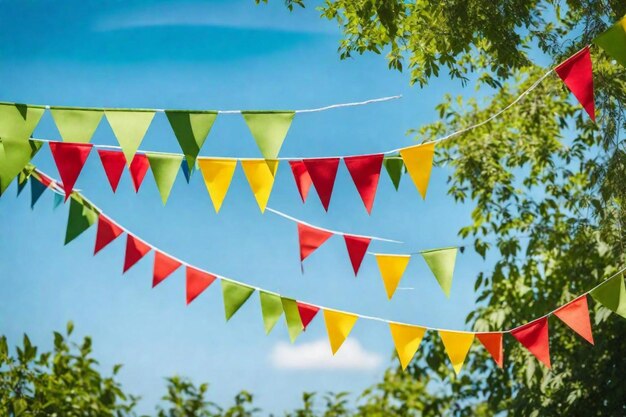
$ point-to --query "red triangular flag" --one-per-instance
(365, 172)
(70, 159)
(164, 265)
(307, 313)
(357, 246)
(197, 281)
(113, 163)
(138, 168)
(310, 239)
(302, 177)
(577, 75)
(135, 250)
(107, 232)
(576, 315)
(493, 343)
(534, 336)
(323, 172)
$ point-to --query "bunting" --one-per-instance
(534, 337)
(260, 175)
(310, 238)
(107, 232)
(164, 168)
(493, 343)
(80, 218)
(307, 313)
(129, 128)
(269, 130)
(441, 263)
(292, 317)
(19, 120)
(338, 326)
(217, 174)
(15, 153)
(113, 163)
(271, 309)
(612, 295)
(235, 295)
(302, 178)
(196, 281)
(407, 340)
(392, 268)
(576, 315)
(419, 162)
(613, 41)
(70, 159)
(138, 169)
(357, 247)
(36, 191)
(323, 172)
(394, 168)
(457, 345)
(577, 75)
(164, 266)
(191, 130)
(76, 125)
(365, 172)
(135, 250)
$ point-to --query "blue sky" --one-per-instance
(219, 55)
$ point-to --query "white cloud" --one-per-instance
(317, 355)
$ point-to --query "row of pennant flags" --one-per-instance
(534, 335)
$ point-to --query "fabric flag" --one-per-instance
(138, 169)
(129, 127)
(70, 159)
(191, 130)
(22, 179)
(323, 172)
(19, 120)
(365, 172)
(15, 153)
(307, 313)
(113, 163)
(394, 167)
(302, 178)
(217, 174)
(164, 266)
(186, 170)
(164, 169)
(419, 162)
(576, 315)
(338, 326)
(612, 295)
(292, 317)
(392, 268)
(310, 238)
(457, 345)
(135, 250)
(196, 281)
(493, 343)
(441, 263)
(80, 218)
(613, 41)
(76, 125)
(407, 340)
(534, 337)
(235, 295)
(260, 174)
(577, 75)
(107, 232)
(58, 200)
(36, 190)
(271, 309)
(269, 129)
(357, 247)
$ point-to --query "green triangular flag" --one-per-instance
(58, 200)
(292, 317)
(19, 120)
(129, 127)
(271, 308)
(15, 153)
(164, 168)
(613, 41)
(441, 263)
(235, 295)
(394, 167)
(269, 129)
(81, 217)
(191, 130)
(612, 295)
(76, 125)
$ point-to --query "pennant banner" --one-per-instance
(235, 295)
(271, 308)
(18, 121)
(129, 128)
(76, 125)
(15, 153)
(191, 130)
(534, 337)
(338, 326)
(457, 345)
(441, 263)
(269, 130)
(164, 168)
(217, 174)
(70, 159)
(196, 281)
(407, 340)
(392, 268)
(613, 41)
(260, 174)
(577, 75)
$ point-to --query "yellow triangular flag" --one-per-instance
(338, 326)
(457, 345)
(419, 162)
(406, 339)
(392, 268)
(217, 174)
(260, 174)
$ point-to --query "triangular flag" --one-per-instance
(184, 166)
(70, 159)
(36, 190)
(419, 162)
(135, 250)
(271, 309)
(338, 326)
(394, 167)
(310, 238)
(164, 265)
(307, 313)
(457, 344)
(269, 130)
(76, 125)
(534, 337)
(292, 317)
(302, 178)
(80, 218)
(15, 153)
(365, 172)
(357, 246)
(613, 41)
(217, 174)
(107, 233)
(129, 127)
(576, 315)
(612, 295)
(493, 343)
(577, 75)
(407, 340)
(260, 174)
(196, 282)
(323, 172)
(234, 294)
(164, 169)
(441, 263)
(138, 169)
(392, 268)
(19, 120)
(22, 179)
(58, 200)
(191, 130)
(113, 163)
